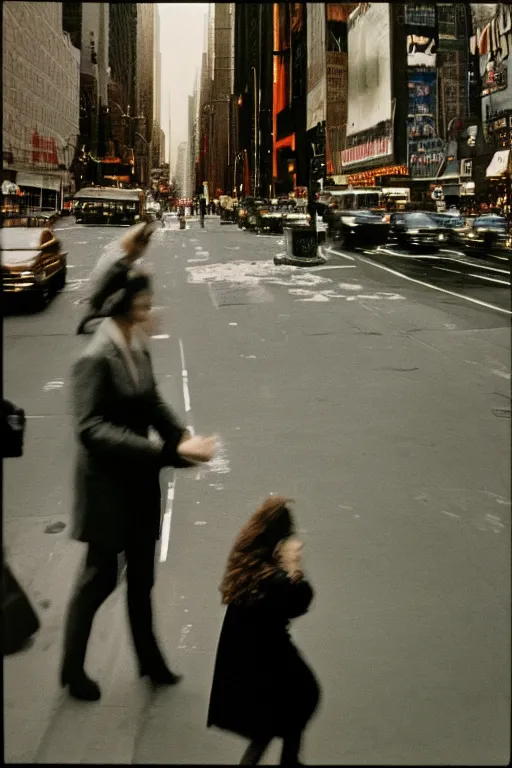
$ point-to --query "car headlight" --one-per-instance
(471, 234)
(349, 220)
(441, 237)
(414, 231)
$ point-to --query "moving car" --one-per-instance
(454, 224)
(358, 228)
(488, 235)
(33, 264)
(417, 229)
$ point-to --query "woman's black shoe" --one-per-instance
(161, 676)
(81, 687)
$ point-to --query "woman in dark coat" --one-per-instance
(117, 488)
(262, 687)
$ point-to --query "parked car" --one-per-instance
(417, 229)
(295, 213)
(243, 209)
(487, 235)
(34, 265)
(254, 211)
(358, 228)
(270, 219)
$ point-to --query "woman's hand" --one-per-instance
(289, 557)
(197, 448)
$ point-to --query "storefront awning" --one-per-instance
(38, 180)
(499, 164)
(451, 171)
(451, 190)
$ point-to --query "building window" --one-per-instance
(446, 19)
(420, 14)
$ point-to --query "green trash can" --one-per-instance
(301, 242)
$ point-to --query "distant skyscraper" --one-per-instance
(181, 169)
(145, 84)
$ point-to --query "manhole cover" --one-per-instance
(502, 413)
(226, 295)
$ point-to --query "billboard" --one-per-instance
(425, 147)
(316, 101)
(369, 67)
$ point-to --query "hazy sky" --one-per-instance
(181, 46)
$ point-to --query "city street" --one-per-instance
(375, 391)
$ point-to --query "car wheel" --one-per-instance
(41, 299)
(60, 280)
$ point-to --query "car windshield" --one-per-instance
(490, 223)
(450, 220)
(418, 220)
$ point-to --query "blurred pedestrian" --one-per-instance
(202, 209)
(262, 687)
(117, 489)
(110, 271)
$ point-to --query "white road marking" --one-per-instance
(184, 375)
(161, 336)
(490, 279)
(408, 255)
(454, 271)
(338, 253)
(333, 266)
(436, 288)
(166, 522)
(481, 266)
(502, 374)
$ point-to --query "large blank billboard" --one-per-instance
(369, 67)
(316, 99)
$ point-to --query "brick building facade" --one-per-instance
(41, 81)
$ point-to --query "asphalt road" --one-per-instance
(382, 405)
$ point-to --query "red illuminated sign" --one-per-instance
(367, 151)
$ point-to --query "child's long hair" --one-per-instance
(251, 559)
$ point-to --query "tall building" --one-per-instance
(221, 98)
(193, 144)
(376, 142)
(181, 169)
(205, 118)
(291, 156)
(88, 25)
(252, 103)
(41, 88)
(492, 44)
(123, 72)
(145, 90)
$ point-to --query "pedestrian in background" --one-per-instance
(110, 271)
(117, 489)
(262, 687)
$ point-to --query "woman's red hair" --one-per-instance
(250, 560)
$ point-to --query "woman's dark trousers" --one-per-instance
(96, 581)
